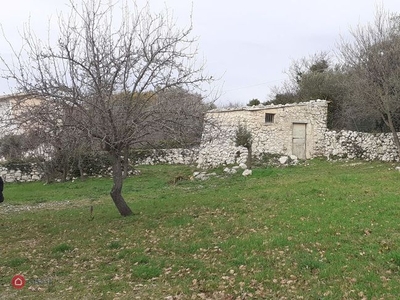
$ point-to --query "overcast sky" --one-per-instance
(248, 44)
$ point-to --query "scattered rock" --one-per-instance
(202, 176)
(283, 160)
(230, 171)
(247, 172)
(243, 166)
(233, 170)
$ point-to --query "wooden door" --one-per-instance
(299, 140)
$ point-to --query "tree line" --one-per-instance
(361, 79)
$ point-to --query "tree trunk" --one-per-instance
(116, 191)
(48, 171)
(126, 162)
(80, 167)
(249, 161)
(65, 167)
(394, 132)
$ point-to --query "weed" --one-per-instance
(145, 271)
(114, 245)
(16, 262)
(62, 248)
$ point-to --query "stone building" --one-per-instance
(5, 113)
(11, 107)
(291, 129)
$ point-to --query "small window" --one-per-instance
(269, 118)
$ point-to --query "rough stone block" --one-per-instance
(243, 166)
(247, 172)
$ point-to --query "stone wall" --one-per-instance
(162, 156)
(11, 175)
(218, 141)
(367, 146)
(170, 156)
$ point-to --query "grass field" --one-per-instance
(325, 230)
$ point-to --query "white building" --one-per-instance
(291, 129)
(6, 104)
(10, 107)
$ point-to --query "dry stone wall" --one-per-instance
(16, 175)
(160, 156)
(170, 156)
(367, 146)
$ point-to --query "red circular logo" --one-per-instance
(18, 281)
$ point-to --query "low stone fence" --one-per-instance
(11, 175)
(170, 156)
(227, 154)
(367, 146)
(29, 173)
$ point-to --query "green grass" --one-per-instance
(320, 231)
(62, 248)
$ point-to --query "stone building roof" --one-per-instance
(265, 107)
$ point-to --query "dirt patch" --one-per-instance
(6, 208)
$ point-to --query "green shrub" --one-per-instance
(243, 137)
(92, 163)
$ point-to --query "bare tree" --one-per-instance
(47, 136)
(372, 58)
(108, 70)
(184, 118)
